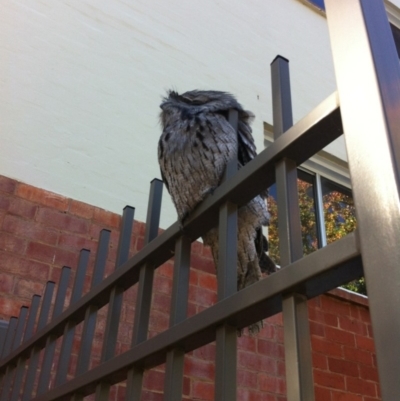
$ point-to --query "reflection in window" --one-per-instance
(339, 212)
(326, 214)
(305, 186)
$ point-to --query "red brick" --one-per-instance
(162, 284)
(197, 248)
(331, 380)
(42, 197)
(365, 343)
(11, 243)
(76, 243)
(326, 347)
(158, 321)
(246, 379)
(206, 265)
(272, 384)
(63, 221)
(343, 367)
(208, 281)
(359, 386)
(207, 352)
(140, 244)
(322, 394)
(17, 266)
(352, 325)
(28, 288)
(207, 254)
(319, 361)
(107, 218)
(81, 209)
(271, 349)
(9, 307)
(194, 277)
(317, 329)
(281, 368)
(152, 396)
(246, 394)
(202, 296)
(41, 252)
(370, 331)
(199, 368)
(247, 342)
(369, 373)
(167, 270)
(267, 332)
(257, 362)
(23, 208)
(340, 336)
(276, 319)
(161, 302)
(153, 380)
(314, 302)
(63, 257)
(7, 184)
(186, 386)
(30, 229)
(203, 391)
(365, 315)
(339, 396)
(358, 355)
(331, 305)
(5, 202)
(321, 317)
(6, 283)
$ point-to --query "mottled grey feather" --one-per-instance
(195, 146)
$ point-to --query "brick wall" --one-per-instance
(40, 232)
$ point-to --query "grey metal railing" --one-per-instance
(368, 78)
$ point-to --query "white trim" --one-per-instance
(321, 163)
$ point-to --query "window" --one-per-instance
(327, 213)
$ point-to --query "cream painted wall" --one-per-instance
(81, 83)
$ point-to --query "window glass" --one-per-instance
(318, 3)
(305, 186)
(338, 214)
(339, 211)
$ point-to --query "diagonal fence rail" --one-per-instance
(301, 278)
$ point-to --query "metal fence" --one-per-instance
(367, 107)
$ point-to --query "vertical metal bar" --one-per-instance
(3, 333)
(89, 323)
(179, 302)
(7, 376)
(115, 303)
(19, 331)
(226, 336)
(320, 215)
(12, 326)
(20, 370)
(33, 310)
(15, 341)
(143, 301)
(299, 379)
(125, 235)
(34, 356)
(45, 372)
(368, 79)
(69, 330)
